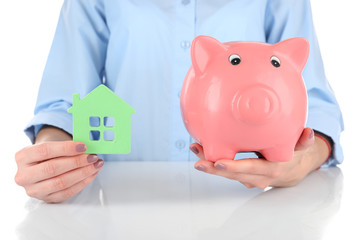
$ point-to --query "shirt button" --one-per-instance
(185, 44)
(179, 94)
(185, 2)
(180, 144)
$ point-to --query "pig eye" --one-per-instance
(234, 59)
(275, 61)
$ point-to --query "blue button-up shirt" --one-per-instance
(141, 50)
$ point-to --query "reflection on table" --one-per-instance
(171, 200)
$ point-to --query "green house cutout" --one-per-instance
(102, 121)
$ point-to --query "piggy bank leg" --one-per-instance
(278, 154)
(213, 153)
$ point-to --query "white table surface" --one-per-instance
(172, 200)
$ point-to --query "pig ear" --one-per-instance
(297, 49)
(202, 50)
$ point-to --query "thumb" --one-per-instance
(306, 140)
(198, 150)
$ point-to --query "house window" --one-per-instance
(94, 135)
(101, 128)
(109, 121)
(109, 135)
(94, 121)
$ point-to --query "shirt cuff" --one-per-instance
(328, 143)
(59, 119)
(331, 127)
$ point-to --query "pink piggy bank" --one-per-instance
(246, 96)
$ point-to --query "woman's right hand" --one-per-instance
(53, 171)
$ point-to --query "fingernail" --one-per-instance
(200, 168)
(220, 166)
(99, 164)
(92, 158)
(80, 148)
(312, 134)
(194, 150)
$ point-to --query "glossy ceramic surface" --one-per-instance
(246, 96)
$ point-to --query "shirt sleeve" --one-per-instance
(293, 18)
(75, 63)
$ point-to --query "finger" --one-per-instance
(41, 189)
(306, 140)
(69, 192)
(198, 150)
(48, 150)
(54, 167)
(254, 181)
(204, 165)
(208, 167)
(248, 185)
(253, 166)
(251, 180)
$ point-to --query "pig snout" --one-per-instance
(255, 105)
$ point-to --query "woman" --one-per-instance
(140, 49)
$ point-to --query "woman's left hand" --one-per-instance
(309, 154)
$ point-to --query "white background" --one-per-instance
(27, 28)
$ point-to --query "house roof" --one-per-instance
(99, 98)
